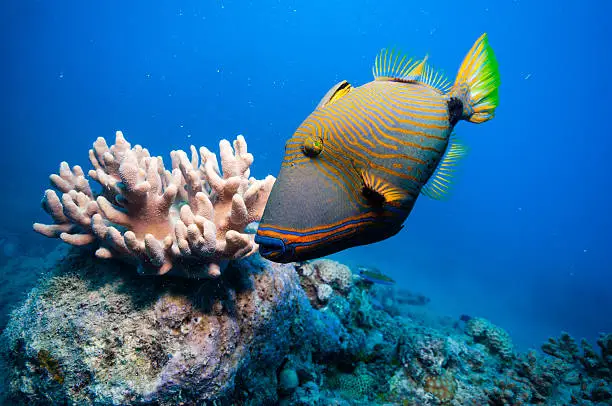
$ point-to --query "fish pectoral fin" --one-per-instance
(440, 181)
(338, 91)
(383, 191)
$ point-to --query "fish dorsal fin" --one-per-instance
(338, 91)
(391, 194)
(391, 65)
(439, 184)
(416, 73)
(435, 79)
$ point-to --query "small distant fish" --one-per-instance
(528, 76)
(353, 170)
(373, 275)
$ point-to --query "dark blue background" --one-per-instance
(525, 238)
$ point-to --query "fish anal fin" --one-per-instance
(338, 91)
(440, 181)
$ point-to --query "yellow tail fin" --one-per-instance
(477, 82)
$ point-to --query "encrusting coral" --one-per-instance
(190, 219)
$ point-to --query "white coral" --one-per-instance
(191, 219)
(334, 273)
(324, 292)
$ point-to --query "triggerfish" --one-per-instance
(353, 170)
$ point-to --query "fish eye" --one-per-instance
(312, 146)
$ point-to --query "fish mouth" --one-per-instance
(270, 247)
(293, 245)
(296, 246)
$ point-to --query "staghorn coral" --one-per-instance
(580, 367)
(190, 220)
(564, 347)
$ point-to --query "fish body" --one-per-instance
(373, 275)
(354, 168)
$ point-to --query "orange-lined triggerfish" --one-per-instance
(354, 168)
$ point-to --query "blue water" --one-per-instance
(524, 239)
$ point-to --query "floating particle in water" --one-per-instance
(527, 76)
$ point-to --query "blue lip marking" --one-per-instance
(269, 245)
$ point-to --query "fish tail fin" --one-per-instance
(477, 83)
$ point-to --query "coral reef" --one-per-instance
(322, 277)
(358, 384)
(494, 338)
(190, 220)
(443, 387)
(13, 289)
(93, 332)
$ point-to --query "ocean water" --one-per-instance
(524, 239)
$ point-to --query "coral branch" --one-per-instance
(190, 220)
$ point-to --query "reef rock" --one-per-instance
(94, 333)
